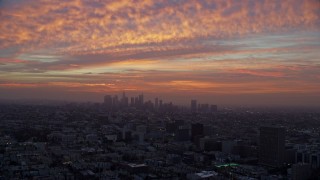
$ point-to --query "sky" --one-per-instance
(250, 52)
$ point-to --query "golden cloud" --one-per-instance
(82, 26)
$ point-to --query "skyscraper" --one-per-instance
(183, 133)
(156, 103)
(141, 100)
(136, 101)
(214, 108)
(115, 101)
(123, 95)
(108, 101)
(272, 146)
(193, 105)
(160, 104)
(124, 100)
(196, 132)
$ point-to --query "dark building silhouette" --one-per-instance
(160, 104)
(182, 133)
(156, 103)
(193, 105)
(171, 127)
(301, 171)
(204, 108)
(196, 132)
(108, 101)
(141, 100)
(115, 101)
(272, 146)
(136, 101)
(124, 100)
(214, 108)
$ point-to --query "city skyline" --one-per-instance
(121, 102)
(221, 52)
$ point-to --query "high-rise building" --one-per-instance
(132, 101)
(301, 171)
(136, 101)
(196, 132)
(126, 102)
(193, 105)
(141, 101)
(272, 146)
(156, 103)
(160, 104)
(115, 101)
(182, 133)
(204, 108)
(108, 101)
(214, 108)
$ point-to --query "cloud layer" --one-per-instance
(95, 26)
(158, 46)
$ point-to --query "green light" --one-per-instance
(226, 165)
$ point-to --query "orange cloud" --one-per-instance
(260, 73)
(11, 61)
(102, 26)
(19, 85)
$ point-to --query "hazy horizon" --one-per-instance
(183, 100)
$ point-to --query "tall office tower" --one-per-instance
(214, 108)
(126, 102)
(141, 100)
(115, 101)
(108, 101)
(132, 101)
(193, 105)
(204, 108)
(182, 133)
(136, 101)
(196, 132)
(156, 103)
(123, 100)
(301, 171)
(272, 146)
(160, 104)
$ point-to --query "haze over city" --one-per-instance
(226, 52)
